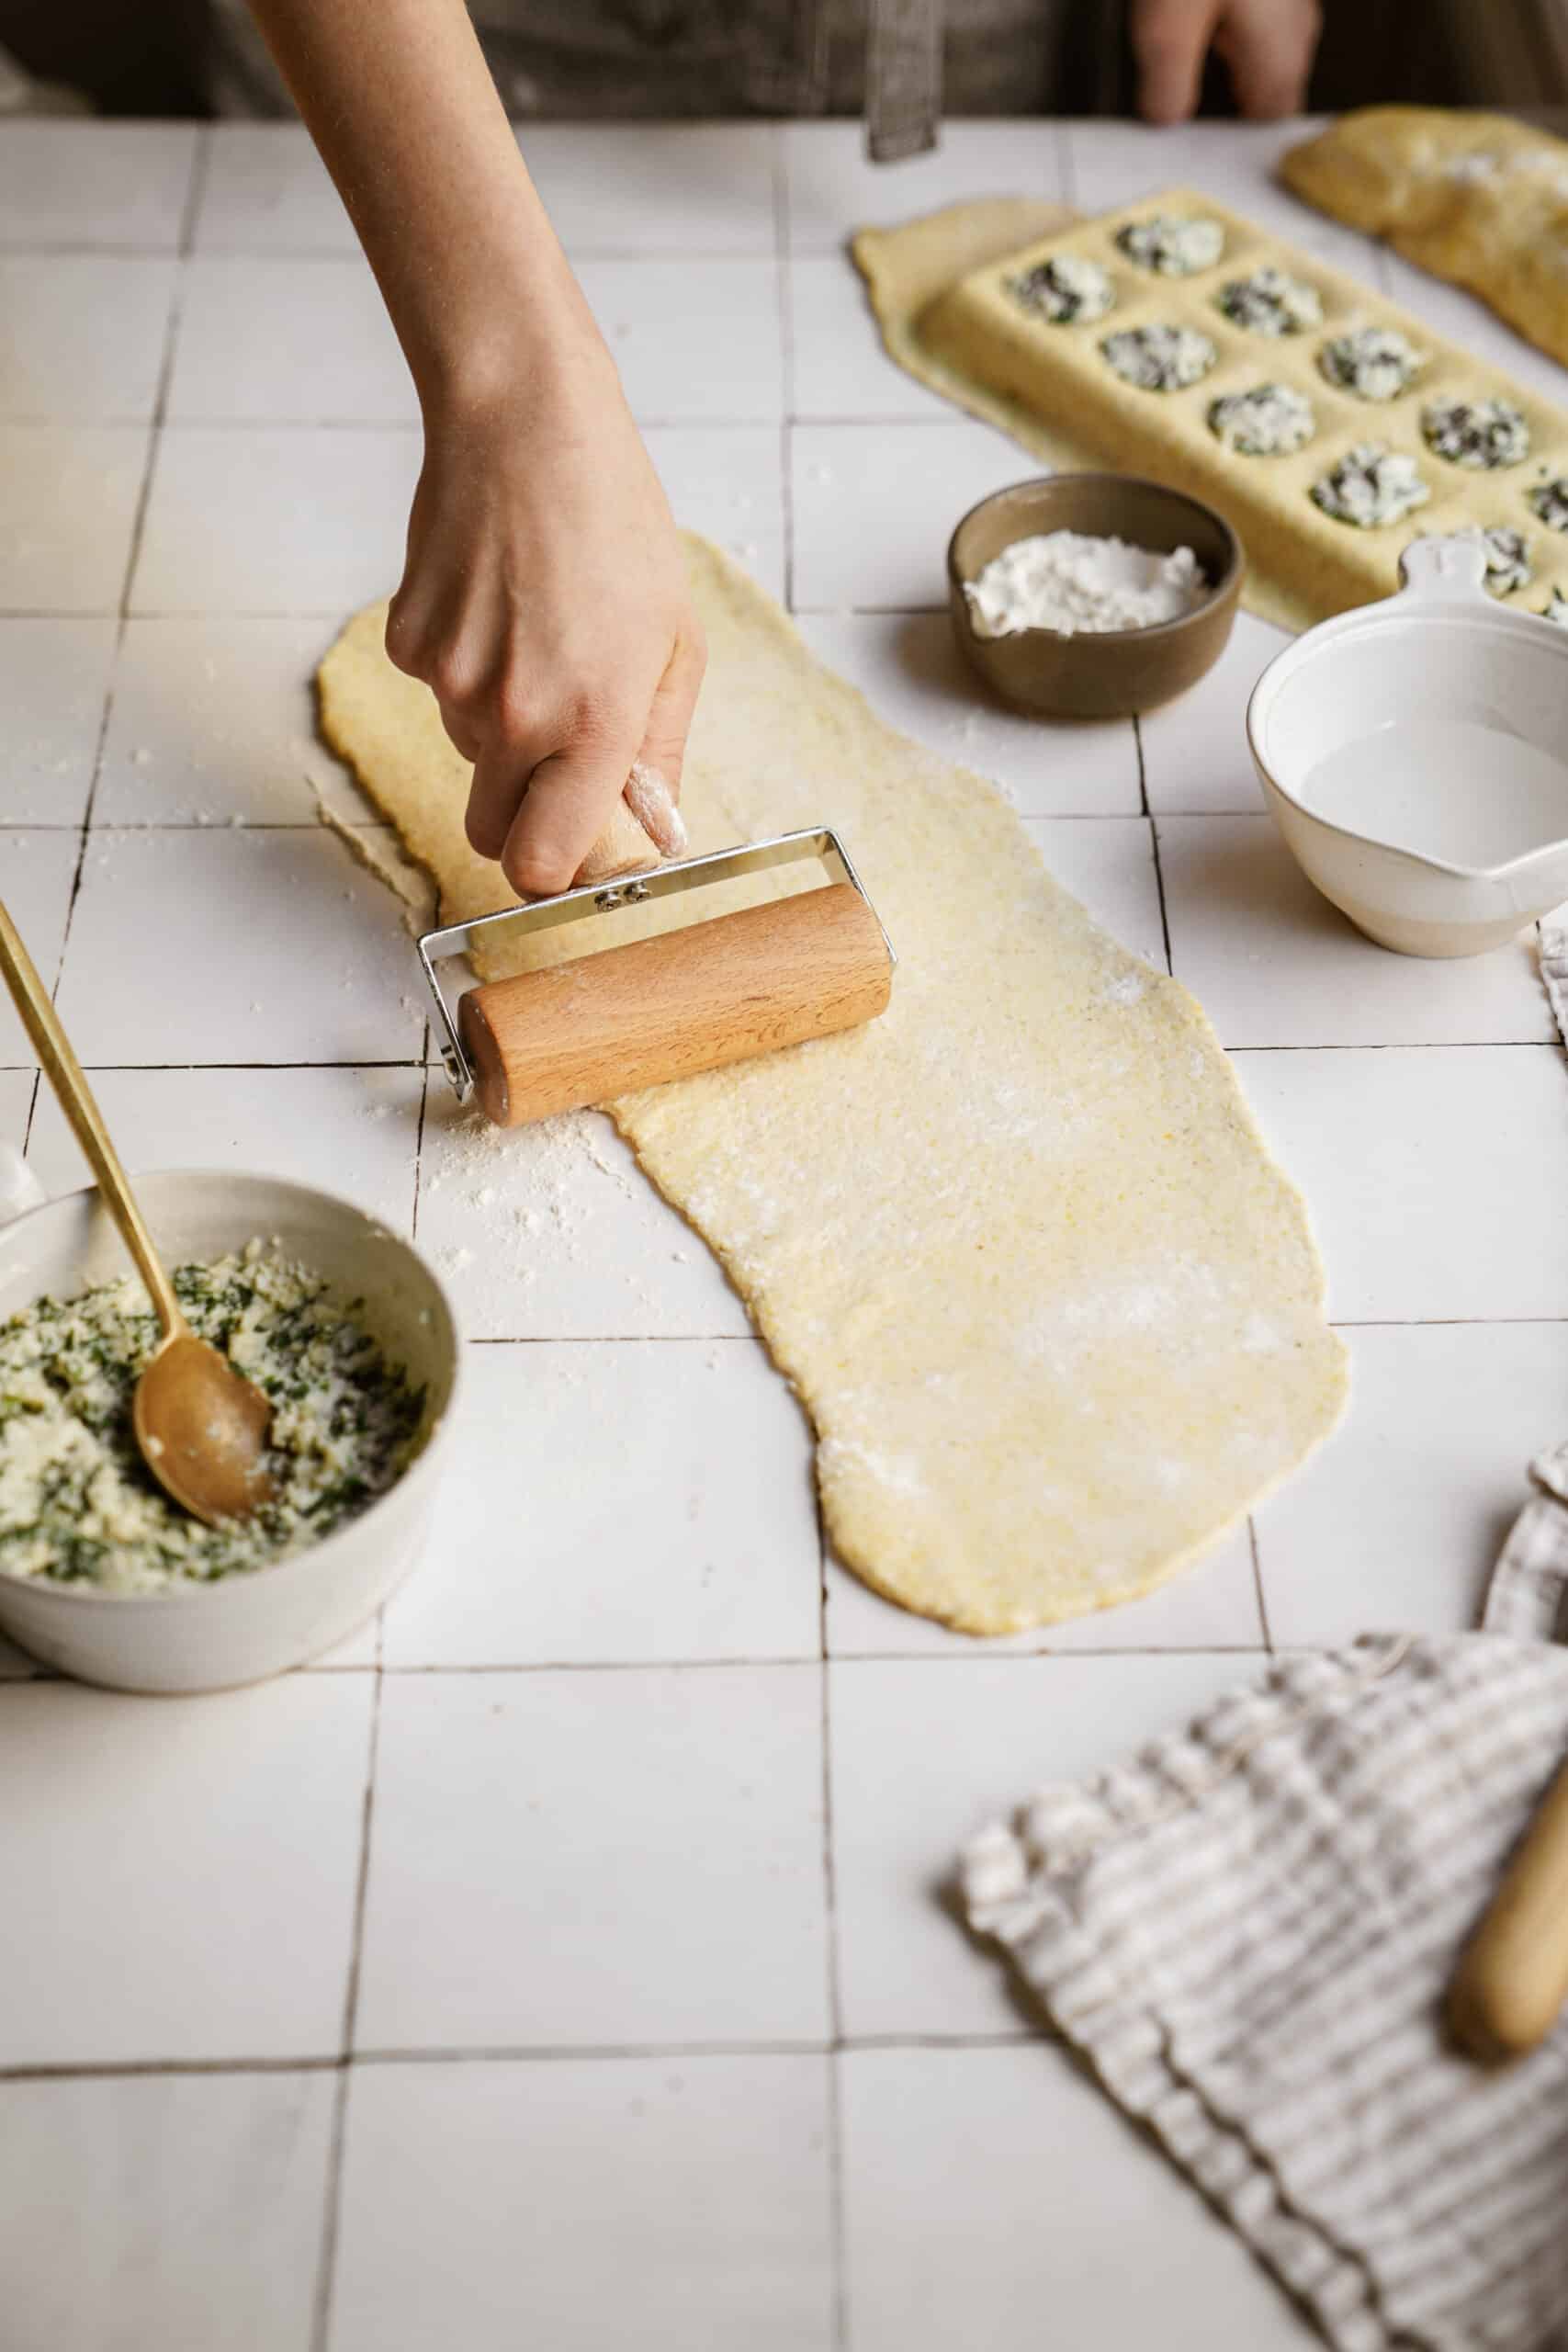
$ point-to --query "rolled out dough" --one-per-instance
(1054, 1314)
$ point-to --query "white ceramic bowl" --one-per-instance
(1449, 713)
(209, 1636)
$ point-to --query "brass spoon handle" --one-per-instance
(64, 1073)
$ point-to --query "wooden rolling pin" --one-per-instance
(1513, 1980)
(691, 999)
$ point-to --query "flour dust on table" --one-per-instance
(1054, 1314)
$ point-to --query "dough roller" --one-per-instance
(714, 990)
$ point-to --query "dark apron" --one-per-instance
(903, 63)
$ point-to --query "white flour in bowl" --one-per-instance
(1068, 580)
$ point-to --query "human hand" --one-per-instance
(544, 594)
(544, 602)
(1266, 45)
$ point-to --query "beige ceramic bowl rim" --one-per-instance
(1401, 610)
(1229, 579)
(424, 1466)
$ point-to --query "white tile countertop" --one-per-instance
(567, 1960)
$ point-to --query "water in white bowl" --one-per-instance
(1458, 789)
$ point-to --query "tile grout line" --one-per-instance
(225, 825)
(839, 2312)
(418, 1139)
(159, 417)
(413, 1233)
(1418, 1046)
(411, 1061)
(1066, 169)
(406, 428)
(732, 1662)
(331, 2205)
(1443, 1322)
(505, 2054)
(634, 1338)
(32, 1110)
(1153, 844)
(762, 2046)
(219, 826)
(784, 286)
(117, 2070)
(1258, 1583)
(191, 1068)
(194, 187)
(837, 2222)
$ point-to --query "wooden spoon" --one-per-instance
(200, 1425)
(1513, 1980)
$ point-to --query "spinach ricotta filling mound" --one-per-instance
(1159, 360)
(1371, 486)
(1270, 302)
(1555, 609)
(77, 1503)
(1172, 245)
(1269, 421)
(1371, 363)
(1550, 501)
(1482, 435)
(1065, 291)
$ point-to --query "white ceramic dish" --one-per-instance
(1413, 754)
(209, 1636)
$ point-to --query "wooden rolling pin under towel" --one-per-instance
(693, 999)
(1513, 1980)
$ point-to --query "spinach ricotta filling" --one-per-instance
(1555, 608)
(77, 1503)
(1549, 500)
(1067, 290)
(1369, 487)
(1270, 302)
(1482, 435)
(1371, 363)
(1159, 360)
(1269, 421)
(1171, 244)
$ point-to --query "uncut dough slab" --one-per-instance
(1478, 199)
(1056, 1315)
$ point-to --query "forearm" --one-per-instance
(400, 101)
(544, 598)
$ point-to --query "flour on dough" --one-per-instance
(1054, 1314)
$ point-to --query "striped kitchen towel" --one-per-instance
(1248, 1931)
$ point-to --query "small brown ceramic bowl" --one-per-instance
(1098, 674)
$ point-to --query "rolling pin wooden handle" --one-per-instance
(1513, 1980)
(691, 999)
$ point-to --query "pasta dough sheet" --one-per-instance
(1056, 1315)
(1478, 199)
